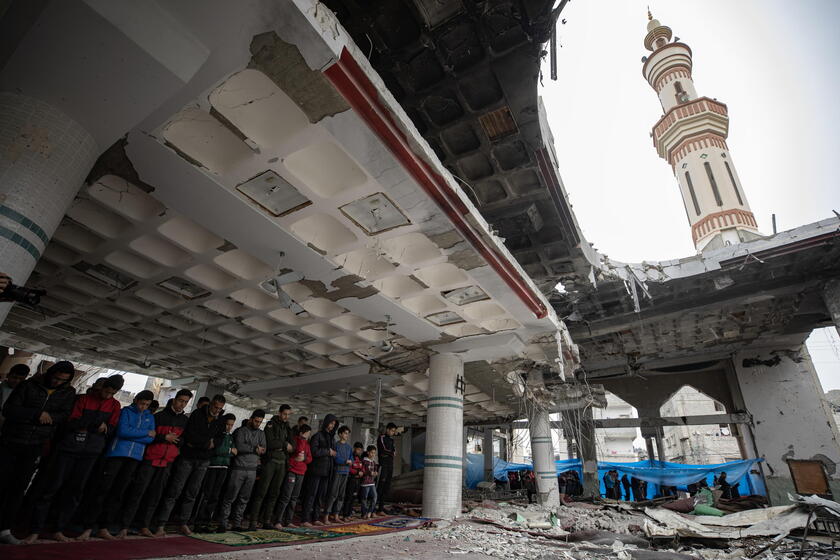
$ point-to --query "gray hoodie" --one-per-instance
(246, 440)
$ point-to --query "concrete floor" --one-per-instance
(417, 544)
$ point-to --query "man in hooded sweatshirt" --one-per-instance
(135, 430)
(93, 419)
(249, 442)
(318, 474)
(32, 411)
(203, 427)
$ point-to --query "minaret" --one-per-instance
(691, 136)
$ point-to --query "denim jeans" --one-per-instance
(368, 499)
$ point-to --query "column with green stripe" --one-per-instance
(442, 476)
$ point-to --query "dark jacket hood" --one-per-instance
(58, 367)
(326, 422)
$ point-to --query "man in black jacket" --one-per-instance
(278, 436)
(386, 451)
(318, 473)
(203, 426)
(32, 412)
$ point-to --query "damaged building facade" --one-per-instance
(338, 204)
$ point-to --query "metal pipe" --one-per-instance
(378, 402)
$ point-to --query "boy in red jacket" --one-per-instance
(298, 460)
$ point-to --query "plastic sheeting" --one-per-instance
(654, 472)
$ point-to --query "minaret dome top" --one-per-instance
(658, 35)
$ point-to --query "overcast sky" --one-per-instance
(772, 62)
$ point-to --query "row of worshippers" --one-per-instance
(83, 461)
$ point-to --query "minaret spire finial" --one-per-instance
(650, 15)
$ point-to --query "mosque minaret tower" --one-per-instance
(691, 137)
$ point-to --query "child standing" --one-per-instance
(214, 480)
(343, 460)
(370, 472)
(354, 481)
(301, 456)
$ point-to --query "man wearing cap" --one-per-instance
(135, 430)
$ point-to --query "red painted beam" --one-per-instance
(362, 95)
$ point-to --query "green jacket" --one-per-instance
(277, 435)
(221, 452)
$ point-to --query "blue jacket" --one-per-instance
(343, 453)
(132, 434)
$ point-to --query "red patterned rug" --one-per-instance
(136, 548)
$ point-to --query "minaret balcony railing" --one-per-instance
(722, 220)
(700, 116)
(685, 111)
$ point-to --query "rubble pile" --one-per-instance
(591, 531)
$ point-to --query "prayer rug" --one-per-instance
(402, 522)
(137, 548)
(358, 529)
(250, 538)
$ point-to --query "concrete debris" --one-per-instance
(593, 531)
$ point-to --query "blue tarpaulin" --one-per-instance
(654, 472)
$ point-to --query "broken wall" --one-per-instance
(791, 419)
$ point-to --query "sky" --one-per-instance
(772, 62)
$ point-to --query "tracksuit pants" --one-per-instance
(335, 497)
(237, 494)
(267, 491)
(285, 510)
(66, 482)
(187, 476)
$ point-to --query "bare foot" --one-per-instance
(185, 530)
(30, 539)
(59, 536)
(278, 526)
(292, 526)
(105, 534)
(306, 524)
(160, 532)
(84, 536)
(144, 532)
(122, 534)
(318, 523)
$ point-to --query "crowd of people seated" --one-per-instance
(85, 466)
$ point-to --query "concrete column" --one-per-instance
(588, 453)
(357, 430)
(444, 466)
(44, 158)
(405, 449)
(487, 448)
(791, 418)
(649, 447)
(209, 390)
(542, 449)
(660, 447)
(831, 296)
